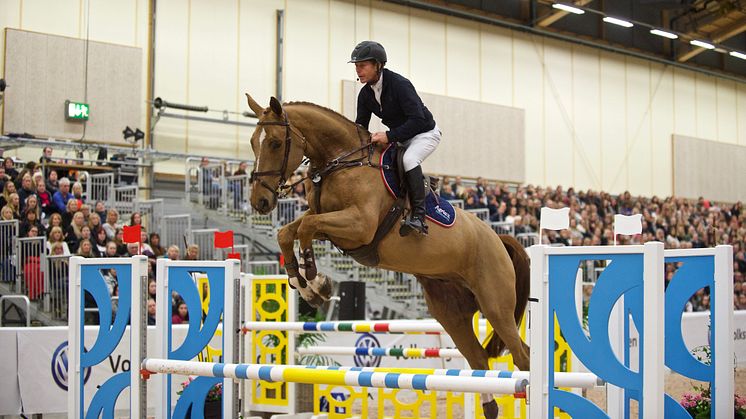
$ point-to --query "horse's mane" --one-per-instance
(321, 108)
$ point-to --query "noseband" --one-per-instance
(257, 176)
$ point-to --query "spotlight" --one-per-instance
(139, 135)
(128, 133)
(3, 85)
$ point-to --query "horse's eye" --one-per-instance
(275, 144)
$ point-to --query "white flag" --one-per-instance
(627, 225)
(555, 219)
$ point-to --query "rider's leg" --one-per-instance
(418, 149)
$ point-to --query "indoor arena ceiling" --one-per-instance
(624, 26)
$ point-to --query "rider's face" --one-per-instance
(367, 71)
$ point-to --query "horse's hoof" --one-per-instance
(490, 410)
(322, 286)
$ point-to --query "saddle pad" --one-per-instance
(438, 210)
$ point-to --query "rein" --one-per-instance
(336, 164)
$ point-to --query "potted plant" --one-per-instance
(213, 400)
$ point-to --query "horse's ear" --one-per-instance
(275, 105)
(258, 110)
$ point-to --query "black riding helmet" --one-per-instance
(368, 50)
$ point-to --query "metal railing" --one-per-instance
(205, 239)
(457, 203)
(30, 279)
(23, 299)
(243, 251)
(503, 227)
(100, 187)
(481, 213)
(173, 229)
(264, 267)
(236, 192)
(151, 211)
(8, 250)
(57, 270)
(125, 198)
(527, 239)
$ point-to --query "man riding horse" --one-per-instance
(393, 98)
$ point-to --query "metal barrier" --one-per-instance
(151, 211)
(236, 192)
(243, 251)
(100, 187)
(481, 213)
(176, 230)
(30, 279)
(264, 267)
(57, 270)
(194, 182)
(457, 203)
(503, 227)
(527, 239)
(205, 239)
(23, 299)
(287, 211)
(124, 199)
(209, 186)
(8, 250)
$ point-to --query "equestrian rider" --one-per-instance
(393, 98)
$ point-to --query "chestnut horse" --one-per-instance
(462, 269)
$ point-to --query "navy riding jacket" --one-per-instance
(401, 108)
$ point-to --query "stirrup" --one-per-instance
(413, 223)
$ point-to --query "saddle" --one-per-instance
(439, 210)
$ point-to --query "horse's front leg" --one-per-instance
(347, 224)
(286, 239)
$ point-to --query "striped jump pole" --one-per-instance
(561, 379)
(405, 326)
(275, 373)
(398, 352)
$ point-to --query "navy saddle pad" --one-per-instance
(438, 210)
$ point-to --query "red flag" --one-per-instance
(132, 234)
(224, 239)
(234, 256)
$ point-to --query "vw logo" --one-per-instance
(59, 367)
(366, 340)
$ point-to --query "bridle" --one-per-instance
(337, 163)
(257, 176)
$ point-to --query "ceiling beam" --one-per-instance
(558, 14)
(717, 37)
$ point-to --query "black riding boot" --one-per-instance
(416, 219)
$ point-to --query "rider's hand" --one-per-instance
(379, 138)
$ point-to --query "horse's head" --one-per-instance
(278, 149)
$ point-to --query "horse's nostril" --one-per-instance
(264, 204)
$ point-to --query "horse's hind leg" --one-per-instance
(498, 305)
(454, 307)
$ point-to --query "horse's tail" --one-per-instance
(521, 266)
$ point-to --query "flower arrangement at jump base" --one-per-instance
(213, 408)
(699, 403)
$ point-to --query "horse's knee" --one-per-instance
(285, 236)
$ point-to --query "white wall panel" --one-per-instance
(741, 114)
(661, 128)
(558, 114)
(638, 158)
(306, 51)
(341, 41)
(613, 123)
(112, 21)
(726, 111)
(390, 27)
(529, 95)
(61, 17)
(463, 60)
(706, 102)
(685, 103)
(10, 17)
(171, 71)
(213, 60)
(427, 52)
(497, 65)
(587, 118)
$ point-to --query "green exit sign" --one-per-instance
(76, 111)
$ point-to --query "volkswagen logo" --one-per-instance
(366, 340)
(59, 367)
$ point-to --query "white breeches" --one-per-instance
(420, 147)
